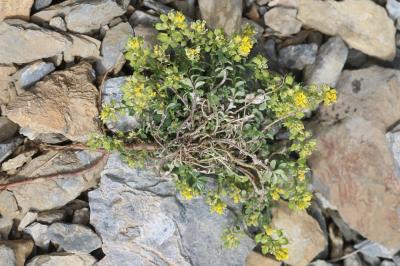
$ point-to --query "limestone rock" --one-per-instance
(8, 147)
(393, 8)
(285, 3)
(112, 92)
(256, 259)
(354, 166)
(306, 239)
(141, 221)
(51, 216)
(84, 16)
(112, 48)
(329, 63)
(6, 83)
(32, 73)
(58, 23)
(73, 237)
(62, 259)
(22, 42)
(15, 9)
(13, 164)
(38, 232)
(229, 14)
(27, 220)
(16, 252)
(70, 180)
(142, 18)
(7, 128)
(40, 4)
(6, 225)
(64, 104)
(283, 20)
(149, 35)
(298, 56)
(81, 216)
(82, 46)
(363, 25)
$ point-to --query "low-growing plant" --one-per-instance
(225, 127)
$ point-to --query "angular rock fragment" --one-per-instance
(62, 259)
(7, 128)
(32, 73)
(283, 20)
(15, 252)
(83, 47)
(38, 232)
(15, 9)
(298, 56)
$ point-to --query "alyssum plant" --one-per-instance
(217, 117)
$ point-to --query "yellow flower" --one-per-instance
(218, 207)
(282, 254)
(269, 231)
(198, 26)
(305, 201)
(236, 198)
(193, 53)
(245, 46)
(300, 100)
(301, 175)
(134, 43)
(187, 192)
(276, 193)
(330, 97)
(179, 20)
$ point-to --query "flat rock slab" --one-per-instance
(142, 222)
(354, 166)
(13, 9)
(64, 103)
(62, 259)
(363, 25)
(22, 42)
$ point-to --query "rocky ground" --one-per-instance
(61, 204)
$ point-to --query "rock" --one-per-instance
(70, 180)
(15, 9)
(6, 225)
(393, 138)
(40, 4)
(83, 47)
(38, 232)
(22, 42)
(149, 35)
(298, 56)
(393, 8)
(306, 239)
(29, 218)
(112, 48)
(16, 252)
(112, 92)
(7, 128)
(229, 14)
(370, 261)
(387, 263)
(329, 63)
(140, 220)
(285, 3)
(32, 73)
(356, 58)
(73, 237)
(142, 18)
(350, 19)
(83, 16)
(156, 6)
(353, 260)
(81, 216)
(372, 249)
(58, 23)
(283, 20)
(336, 242)
(257, 28)
(62, 259)
(6, 83)
(8, 147)
(358, 176)
(320, 263)
(188, 8)
(13, 164)
(51, 216)
(65, 103)
(256, 259)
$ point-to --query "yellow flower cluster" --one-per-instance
(140, 95)
(300, 99)
(198, 26)
(178, 19)
(330, 97)
(244, 45)
(305, 201)
(134, 43)
(276, 193)
(301, 174)
(282, 254)
(187, 192)
(193, 53)
(218, 207)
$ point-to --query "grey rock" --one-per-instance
(22, 42)
(7, 90)
(329, 63)
(393, 8)
(393, 138)
(370, 261)
(156, 6)
(353, 260)
(29, 218)
(81, 216)
(45, 193)
(112, 48)
(7, 128)
(285, 3)
(112, 92)
(73, 237)
(229, 14)
(62, 259)
(388, 263)
(40, 4)
(149, 35)
(32, 73)
(13, 164)
(58, 23)
(188, 7)
(6, 225)
(283, 20)
(257, 28)
(373, 249)
(8, 147)
(51, 216)
(142, 222)
(7, 256)
(320, 263)
(83, 47)
(298, 56)
(38, 232)
(143, 18)
(356, 58)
